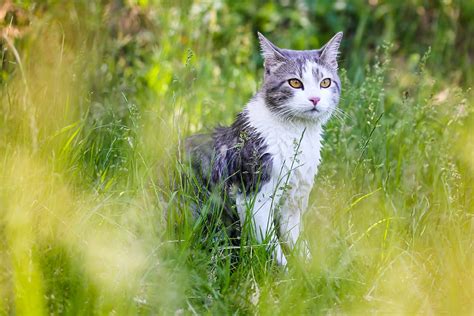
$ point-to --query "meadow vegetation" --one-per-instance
(96, 98)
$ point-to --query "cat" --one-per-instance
(266, 161)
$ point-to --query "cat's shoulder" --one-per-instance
(241, 155)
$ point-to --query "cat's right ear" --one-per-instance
(271, 54)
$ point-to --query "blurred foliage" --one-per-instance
(96, 97)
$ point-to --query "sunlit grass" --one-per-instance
(95, 205)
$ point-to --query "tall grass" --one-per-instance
(96, 209)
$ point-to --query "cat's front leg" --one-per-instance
(265, 230)
(262, 222)
(290, 231)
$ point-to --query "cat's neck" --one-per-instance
(261, 118)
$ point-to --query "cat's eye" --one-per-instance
(325, 83)
(295, 83)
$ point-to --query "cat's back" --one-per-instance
(200, 152)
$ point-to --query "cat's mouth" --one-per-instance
(313, 110)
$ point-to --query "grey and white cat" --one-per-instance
(266, 161)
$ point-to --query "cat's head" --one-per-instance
(301, 85)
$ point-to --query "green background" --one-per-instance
(97, 96)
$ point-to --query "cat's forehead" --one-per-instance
(301, 62)
(312, 69)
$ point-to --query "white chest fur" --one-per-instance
(295, 151)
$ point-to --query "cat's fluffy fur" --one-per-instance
(267, 159)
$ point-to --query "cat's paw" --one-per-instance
(280, 256)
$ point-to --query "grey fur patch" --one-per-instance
(277, 96)
(240, 157)
(199, 150)
(231, 156)
(338, 87)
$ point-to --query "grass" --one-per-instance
(96, 208)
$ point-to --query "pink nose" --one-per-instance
(314, 100)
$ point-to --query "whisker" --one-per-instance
(342, 113)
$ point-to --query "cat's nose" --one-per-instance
(314, 100)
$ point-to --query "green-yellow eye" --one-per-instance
(295, 83)
(326, 83)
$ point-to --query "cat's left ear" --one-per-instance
(271, 54)
(331, 50)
